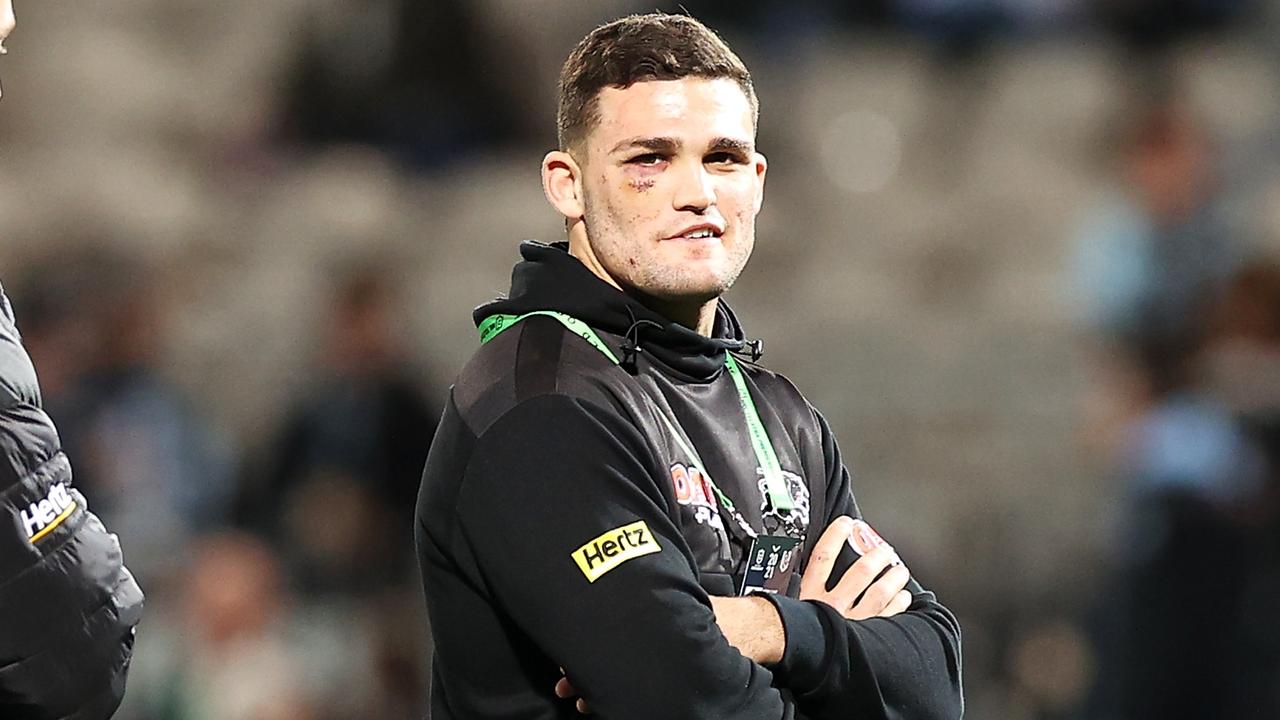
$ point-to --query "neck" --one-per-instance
(697, 315)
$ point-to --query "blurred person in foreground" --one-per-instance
(68, 605)
(612, 491)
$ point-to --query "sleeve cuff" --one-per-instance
(804, 657)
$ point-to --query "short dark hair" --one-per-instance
(638, 48)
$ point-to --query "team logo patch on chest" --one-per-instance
(793, 522)
(693, 490)
(613, 548)
(696, 495)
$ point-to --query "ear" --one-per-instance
(561, 182)
(761, 167)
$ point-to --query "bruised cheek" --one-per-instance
(641, 184)
(633, 199)
(639, 179)
(635, 213)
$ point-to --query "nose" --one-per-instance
(695, 190)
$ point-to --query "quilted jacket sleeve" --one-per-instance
(68, 605)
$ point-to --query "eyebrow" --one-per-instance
(671, 145)
(724, 144)
(657, 144)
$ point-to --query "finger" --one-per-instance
(862, 573)
(882, 591)
(814, 581)
(864, 570)
(582, 706)
(564, 689)
(898, 604)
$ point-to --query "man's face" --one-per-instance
(672, 185)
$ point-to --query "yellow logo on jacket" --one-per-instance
(46, 514)
(613, 548)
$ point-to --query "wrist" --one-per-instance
(770, 641)
(753, 626)
(807, 627)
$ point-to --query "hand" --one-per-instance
(565, 690)
(859, 594)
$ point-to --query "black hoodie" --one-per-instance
(561, 524)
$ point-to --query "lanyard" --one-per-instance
(775, 484)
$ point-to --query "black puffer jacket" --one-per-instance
(68, 605)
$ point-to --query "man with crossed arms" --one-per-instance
(617, 491)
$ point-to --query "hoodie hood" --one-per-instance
(549, 278)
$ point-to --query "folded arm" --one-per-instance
(906, 666)
(562, 510)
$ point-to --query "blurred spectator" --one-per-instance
(1157, 249)
(1198, 542)
(157, 473)
(1244, 370)
(1244, 360)
(1152, 25)
(343, 474)
(231, 640)
(225, 652)
(411, 78)
(961, 26)
(785, 19)
(58, 332)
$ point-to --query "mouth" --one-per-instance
(700, 232)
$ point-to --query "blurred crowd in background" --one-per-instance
(1034, 246)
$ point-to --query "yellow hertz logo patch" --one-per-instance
(613, 548)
